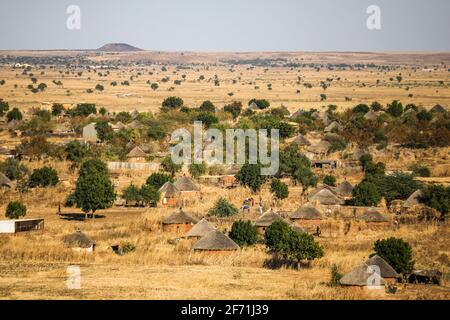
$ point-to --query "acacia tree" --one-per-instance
(250, 176)
(94, 190)
(279, 189)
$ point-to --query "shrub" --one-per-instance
(15, 210)
(329, 180)
(156, 132)
(207, 106)
(207, 119)
(223, 208)
(244, 233)
(13, 169)
(396, 252)
(196, 170)
(76, 151)
(158, 179)
(43, 177)
(420, 170)
(14, 114)
(279, 189)
(235, 109)
(57, 109)
(83, 110)
(366, 194)
(361, 108)
(335, 276)
(169, 166)
(4, 107)
(171, 103)
(395, 109)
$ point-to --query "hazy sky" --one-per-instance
(228, 25)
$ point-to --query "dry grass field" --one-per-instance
(33, 265)
(426, 77)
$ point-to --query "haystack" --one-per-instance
(79, 241)
(215, 241)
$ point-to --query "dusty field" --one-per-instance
(427, 86)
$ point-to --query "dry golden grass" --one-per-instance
(34, 265)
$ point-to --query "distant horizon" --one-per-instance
(232, 26)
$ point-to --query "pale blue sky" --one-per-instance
(228, 25)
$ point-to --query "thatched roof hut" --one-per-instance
(301, 141)
(371, 115)
(413, 200)
(5, 182)
(386, 271)
(136, 153)
(438, 109)
(201, 229)
(253, 106)
(324, 197)
(267, 219)
(179, 217)
(78, 240)
(185, 184)
(344, 189)
(334, 126)
(168, 190)
(215, 241)
(373, 215)
(362, 276)
(307, 212)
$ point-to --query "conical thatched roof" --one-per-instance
(253, 106)
(5, 182)
(78, 240)
(135, 124)
(179, 217)
(168, 190)
(307, 212)
(136, 153)
(325, 197)
(267, 219)
(362, 276)
(297, 113)
(344, 189)
(319, 147)
(201, 229)
(386, 271)
(215, 240)
(300, 140)
(371, 115)
(413, 200)
(438, 109)
(185, 184)
(333, 126)
(373, 215)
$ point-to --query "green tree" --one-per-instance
(149, 195)
(43, 177)
(158, 179)
(83, 110)
(420, 170)
(94, 190)
(196, 170)
(4, 107)
(398, 186)
(131, 194)
(207, 106)
(395, 109)
(250, 176)
(279, 189)
(244, 233)
(76, 151)
(104, 131)
(15, 210)
(396, 252)
(329, 180)
(234, 108)
(13, 169)
(99, 87)
(14, 114)
(364, 160)
(154, 86)
(169, 166)
(361, 108)
(223, 208)
(157, 132)
(57, 109)
(366, 194)
(376, 106)
(437, 197)
(207, 119)
(289, 244)
(171, 103)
